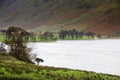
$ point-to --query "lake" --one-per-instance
(101, 56)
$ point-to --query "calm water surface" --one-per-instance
(92, 55)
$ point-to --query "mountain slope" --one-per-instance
(101, 16)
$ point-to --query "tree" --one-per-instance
(16, 38)
(38, 60)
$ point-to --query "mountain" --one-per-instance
(99, 16)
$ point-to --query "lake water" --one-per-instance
(92, 55)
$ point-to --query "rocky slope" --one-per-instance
(99, 16)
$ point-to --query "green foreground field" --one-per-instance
(13, 69)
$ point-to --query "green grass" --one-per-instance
(2, 38)
(38, 39)
(13, 69)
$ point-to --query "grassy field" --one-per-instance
(13, 69)
(38, 39)
(2, 38)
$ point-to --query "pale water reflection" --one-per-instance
(92, 55)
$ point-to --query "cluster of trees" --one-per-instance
(17, 38)
(70, 34)
(53, 36)
(67, 34)
(48, 36)
(31, 36)
(3, 30)
(74, 34)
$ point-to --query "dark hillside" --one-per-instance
(91, 15)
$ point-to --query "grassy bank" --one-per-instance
(13, 69)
